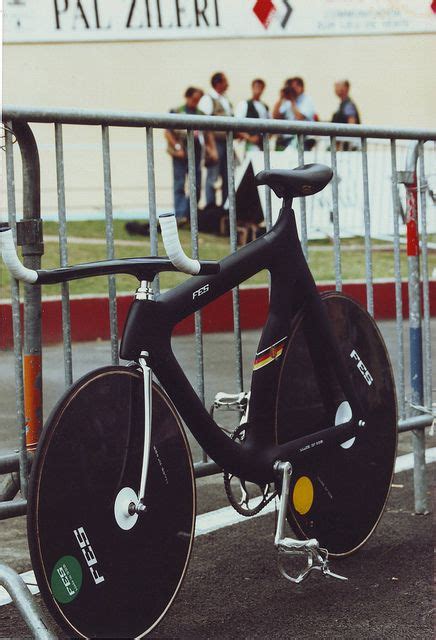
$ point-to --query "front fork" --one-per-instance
(129, 504)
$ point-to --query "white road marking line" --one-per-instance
(404, 463)
(225, 517)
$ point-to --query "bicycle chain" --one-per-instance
(245, 511)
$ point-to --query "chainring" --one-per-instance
(241, 503)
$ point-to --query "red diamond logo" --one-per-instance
(433, 6)
(264, 11)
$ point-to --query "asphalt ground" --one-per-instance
(233, 588)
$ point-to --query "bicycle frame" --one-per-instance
(150, 324)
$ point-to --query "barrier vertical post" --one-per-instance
(415, 331)
(29, 236)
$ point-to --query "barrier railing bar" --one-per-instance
(238, 126)
(63, 255)
(193, 210)
(234, 247)
(13, 508)
(10, 487)
(25, 603)
(398, 284)
(152, 212)
(425, 281)
(302, 201)
(335, 212)
(367, 223)
(16, 316)
(110, 252)
(267, 165)
(15, 295)
(415, 423)
(415, 331)
(212, 123)
(32, 250)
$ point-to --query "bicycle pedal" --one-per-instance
(316, 557)
(315, 562)
(331, 574)
(231, 401)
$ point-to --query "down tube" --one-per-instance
(150, 324)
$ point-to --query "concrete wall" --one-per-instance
(392, 82)
(392, 76)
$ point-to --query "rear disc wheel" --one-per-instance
(338, 495)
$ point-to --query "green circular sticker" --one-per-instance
(66, 579)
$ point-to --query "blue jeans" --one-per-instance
(219, 169)
(180, 171)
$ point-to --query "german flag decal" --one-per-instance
(268, 355)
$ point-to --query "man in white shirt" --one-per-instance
(293, 104)
(253, 108)
(215, 103)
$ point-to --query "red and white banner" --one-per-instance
(94, 20)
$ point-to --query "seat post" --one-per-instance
(144, 291)
(287, 203)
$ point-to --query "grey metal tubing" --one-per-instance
(10, 487)
(367, 225)
(234, 247)
(212, 123)
(9, 462)
(152, 212)
(193, 214)
(425, 282)
(203, 469)
(32, 295)
(110, 251)
(193, 210)
(15, 294)
(335, 206)
(415, 333)
(416, 422)
(398, 284)
(13, 508)
(63, 254)
(304, 242)
(267, 165)
(25, 603)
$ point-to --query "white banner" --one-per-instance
(94, 20)
(350, 191)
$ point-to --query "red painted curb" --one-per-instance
(89, 316)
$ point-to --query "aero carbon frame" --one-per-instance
(150, 324)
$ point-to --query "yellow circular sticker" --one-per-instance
(302, 496)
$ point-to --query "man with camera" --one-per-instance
(293, 104)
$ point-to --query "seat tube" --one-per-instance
(268, 358)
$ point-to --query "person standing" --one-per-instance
(253, 108)
(216, 103)
(294, 104)
(177, 148)
(347, 113)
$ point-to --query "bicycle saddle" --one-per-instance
(302, 181)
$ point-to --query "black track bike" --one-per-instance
(111, 508)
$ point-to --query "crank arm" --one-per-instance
(317, 558)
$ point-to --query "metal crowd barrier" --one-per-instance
(415, 415)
